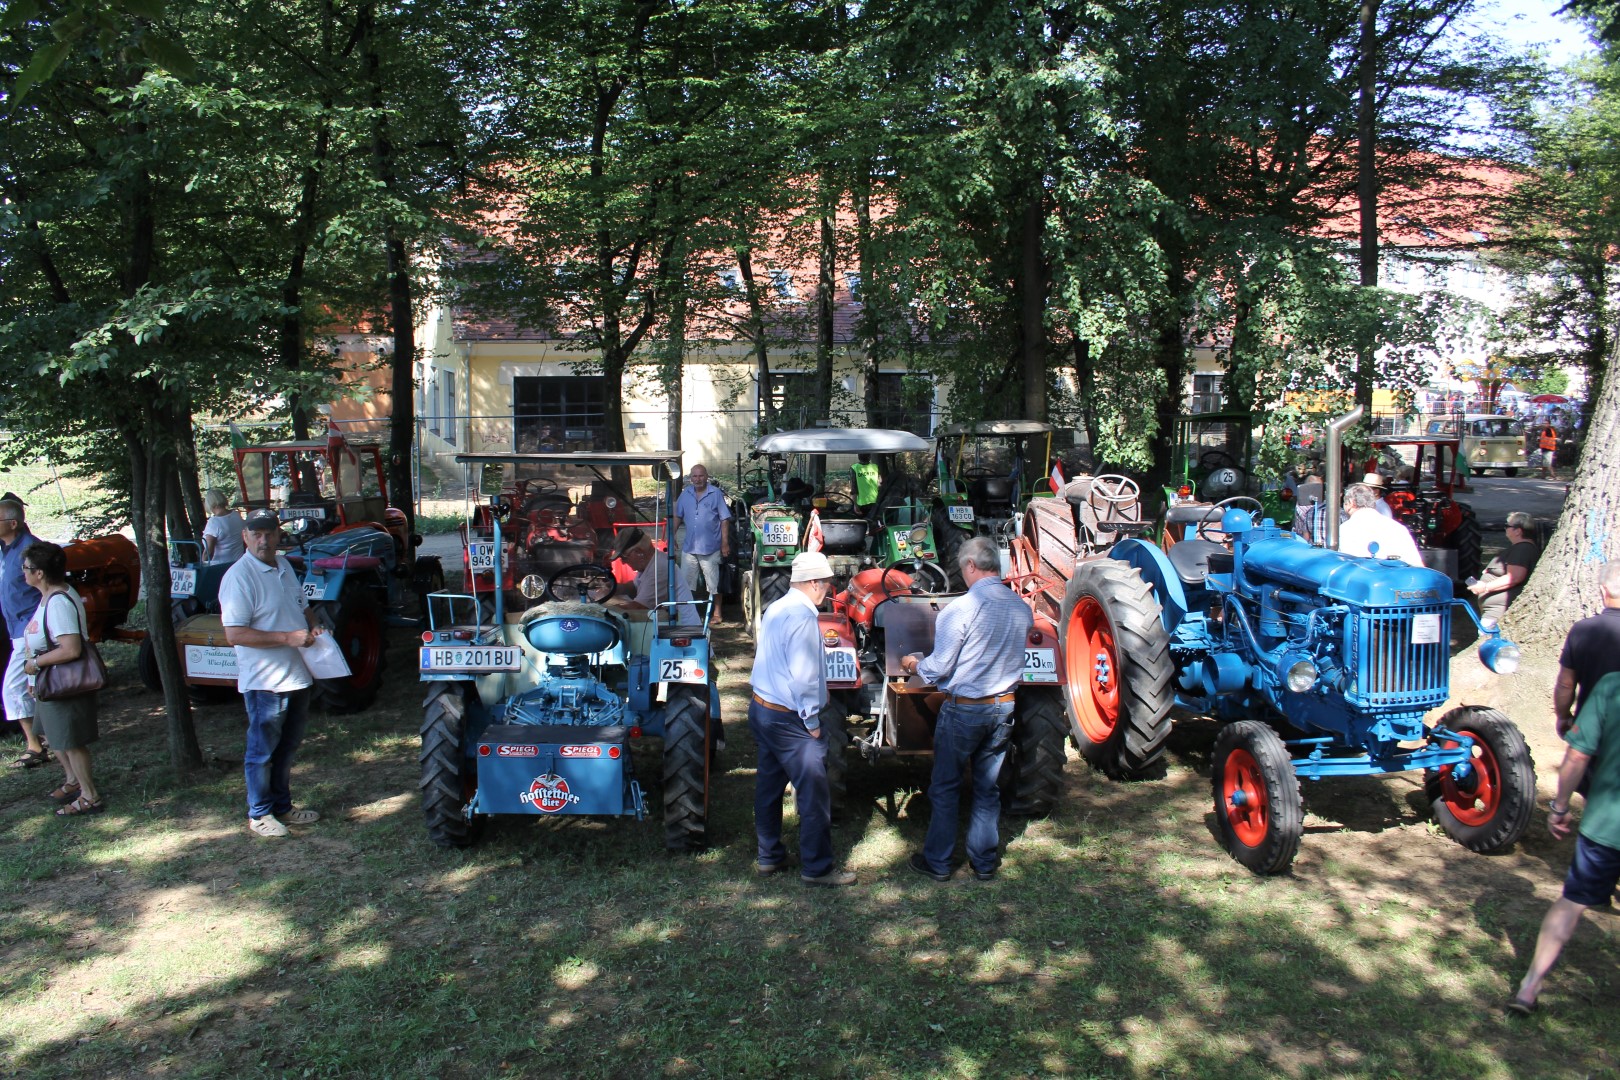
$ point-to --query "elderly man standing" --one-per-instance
(790, 690)
(977, 660)
(702, 506)
(1366, 526)
(267, 620)
(18, 599)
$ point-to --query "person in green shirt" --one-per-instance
(1593, 751)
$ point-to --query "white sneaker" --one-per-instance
(266, 826)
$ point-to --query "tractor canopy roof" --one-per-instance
(298, 446)
(841, 441)
(995, 427)
(581, 458)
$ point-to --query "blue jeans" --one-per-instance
(276, 725)
(969, 741)
(788, 753)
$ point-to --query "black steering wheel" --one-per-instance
(1211, 520)
(1216, 459)
(582, 583)
(927, 579)
(540, 485)
(980, 472)
(755, 478)
(837, 500)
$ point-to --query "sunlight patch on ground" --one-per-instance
(575, 973)
(1001, 962)
(645, 932)
(879, 847)
(376, 811)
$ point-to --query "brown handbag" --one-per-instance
(85, 674)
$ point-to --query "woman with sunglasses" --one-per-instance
(69, 723)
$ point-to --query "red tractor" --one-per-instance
(1425, 474)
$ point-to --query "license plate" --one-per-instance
(315, 589)
(780, 533)
(1040, 665)
(470, 658)
(481, 558)
(182, 582)
(210, 662)
(293, 513)
(961, 515)
(841, 666)
(682, 669)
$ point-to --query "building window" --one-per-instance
(447, 407)
(730, 280)
(782, 283)
(905, 402)
(852, 281)
(793, 399)
(559, 413)
(1206, 394)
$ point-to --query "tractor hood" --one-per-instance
(572, 629)
(1349, 579)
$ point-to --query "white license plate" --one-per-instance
(682, 669)
(780, 533)
(470, 658)
(210, 662)
(315, 589)
(1040, 665)
(841, 666)
(961, 515)
(481, 558)
(1426, 629)
(182, 581)
(293, 513)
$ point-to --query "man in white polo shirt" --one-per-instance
(267, 620)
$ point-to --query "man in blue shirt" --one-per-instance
(702, 506)
(978, 660)
(18, 599)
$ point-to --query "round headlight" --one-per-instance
(1301, 676)
(1500, 655)
(919, 533)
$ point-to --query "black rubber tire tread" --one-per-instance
(147, 666)
(1135, 750)
(948, 541)
(1287, 810)
(1518, 778)
(1040, 732)
(772, 585)
(1468, 542)
(686, 770)
(444, 718)
(835, 729)
(345, 695)
(1511, 472)
(434, 566)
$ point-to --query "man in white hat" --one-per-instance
(790, 689)
(1376, 482)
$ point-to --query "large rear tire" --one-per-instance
(147, 666)
(448, 777)
(1467, 540)
(686, 770)
(1257, 799)
(1489, 810)
(835, 729)
(948, 541)
(1039, 733)
(1116, 654)
(356, 624)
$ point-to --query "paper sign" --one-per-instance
(1425, 629)
(324, 659)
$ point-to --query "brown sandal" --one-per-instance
(30, 759)
(81, 805)
(64, 794)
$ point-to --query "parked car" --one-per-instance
(1488, 441)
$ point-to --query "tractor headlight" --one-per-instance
(1301, 676)
(533, 586)
(919, 534)
(1500, 655)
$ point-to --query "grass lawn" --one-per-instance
(161, 939)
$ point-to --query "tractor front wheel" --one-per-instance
(1116, 654)
(356, 624)
(1039, 734)
(1257, 799)
(448, 777)
(686, 770)
(1488, 809)
(948, 540)
(835, 732)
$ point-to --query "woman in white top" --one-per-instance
(222, 536)
(56, 635)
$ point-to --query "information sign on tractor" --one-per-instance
(682, 669)
(841, 666)
(1040, 666)
(960, 515)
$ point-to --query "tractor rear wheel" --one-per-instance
(1257, 799)
(1116, 654)
(686, 770)
(448, 777)
(427, 577)
(1490, 809)
(147, 666)
(356, 624)
(1039, 733)
(761, 588)
(1467, 541)
(948, 541)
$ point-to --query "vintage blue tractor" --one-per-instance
(535, 711)
(1319, 664)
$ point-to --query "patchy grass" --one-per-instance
(162, 939)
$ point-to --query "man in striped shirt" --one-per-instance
(978, 660)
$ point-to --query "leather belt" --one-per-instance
(771, 704)
(993, 699)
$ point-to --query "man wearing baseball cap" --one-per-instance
(790, 690)
(267, 620)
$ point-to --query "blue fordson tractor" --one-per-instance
(1319, 664)
(534, 710)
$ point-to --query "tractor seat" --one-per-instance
(991, 493)
(1194, 559)
(352, 562)
(1189, 514)
(843, 536)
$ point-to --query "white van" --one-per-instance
(1488, 442)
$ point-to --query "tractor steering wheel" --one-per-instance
(1110, 490)
(837, 500)
(582, 583)
(927, 579)
(755, 478)
(979, 472)
(1211, 520)
(1216, 459)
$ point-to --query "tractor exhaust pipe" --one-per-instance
(1334, 480)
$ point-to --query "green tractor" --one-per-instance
(988, 472)
(1213, 460)
(870, 525)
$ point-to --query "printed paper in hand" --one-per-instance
(324, 659)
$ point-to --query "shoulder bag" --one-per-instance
(84, 674)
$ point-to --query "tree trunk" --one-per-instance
(1032, 288)
(185, 464)
(874, 306)
(1367, 192)
(765, 407)
(1085, 378)
(826, 287)
(1563, 587)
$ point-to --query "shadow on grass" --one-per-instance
(162, 939)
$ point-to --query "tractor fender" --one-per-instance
(1155, 568)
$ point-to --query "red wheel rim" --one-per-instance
(1092, 665)
(1244, 803)
(1473, 801)
(361, 643)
